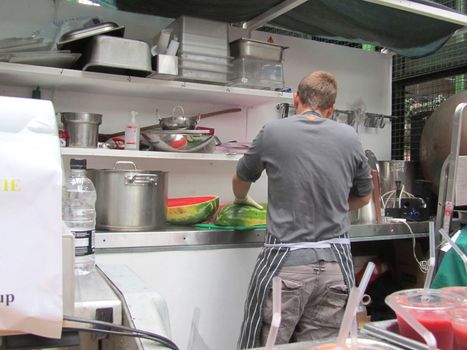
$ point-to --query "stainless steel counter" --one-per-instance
(178, 238)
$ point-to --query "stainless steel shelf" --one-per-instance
(176, 237)
(14, 74)
(126, 154)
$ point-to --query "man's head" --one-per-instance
(316, 92)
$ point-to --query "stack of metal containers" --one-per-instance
(204, 53)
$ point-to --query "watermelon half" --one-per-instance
(191, 210)
(241, 215)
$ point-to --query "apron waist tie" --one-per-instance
(307, 245)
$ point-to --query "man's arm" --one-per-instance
(240, 189)
(356, 202)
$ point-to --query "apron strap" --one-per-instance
(309, 245)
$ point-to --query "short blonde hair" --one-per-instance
(318, 90)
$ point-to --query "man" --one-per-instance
(317, 172)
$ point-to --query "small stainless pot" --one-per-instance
(82, 128)
(130, 200)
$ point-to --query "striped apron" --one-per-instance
(267, 266)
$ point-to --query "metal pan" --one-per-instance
(178, 121)
(77, 39)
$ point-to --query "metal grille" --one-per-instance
(281, 31)
(415, 103)
(421, 85)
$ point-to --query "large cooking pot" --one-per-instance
(435, 142)
(129, 200)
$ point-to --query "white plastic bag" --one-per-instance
(30, 218)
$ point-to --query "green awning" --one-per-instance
(408, 34)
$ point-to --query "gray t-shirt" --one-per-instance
(313, 164)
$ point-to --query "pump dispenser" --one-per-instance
(132, 133)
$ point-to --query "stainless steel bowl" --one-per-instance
(182, 141)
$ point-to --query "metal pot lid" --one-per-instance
(180, 132)
(75, 40)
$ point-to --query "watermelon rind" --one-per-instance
(192, 213)
(241, 215)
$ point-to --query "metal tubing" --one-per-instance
(272, 13)
(446, 197)
(424, 10)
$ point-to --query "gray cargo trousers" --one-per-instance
(313, 303)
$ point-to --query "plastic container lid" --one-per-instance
(78, 164)
(426, 299)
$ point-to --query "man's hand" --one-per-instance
(248, 201)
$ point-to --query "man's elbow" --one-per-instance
(358, 202)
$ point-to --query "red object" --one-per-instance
(211, 130)
(178, 143)
(441, 329)
(179, 202)
(378, 271)
(119, 142)
(376, 195)
(460, 335)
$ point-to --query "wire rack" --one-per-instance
(421, 85)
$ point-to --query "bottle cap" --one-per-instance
(78, 164)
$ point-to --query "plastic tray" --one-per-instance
(257, 74)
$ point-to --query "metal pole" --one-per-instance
(424, 10)
(452, 166)
(270, 14)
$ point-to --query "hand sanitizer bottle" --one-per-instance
(132, 133)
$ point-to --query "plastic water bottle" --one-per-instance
(79, 214)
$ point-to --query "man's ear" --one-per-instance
(296, 100)
(328, 112)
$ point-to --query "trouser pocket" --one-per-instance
(332, 306)
(290, 311)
